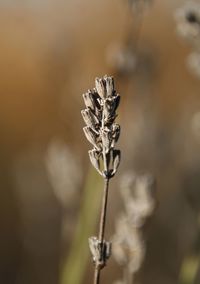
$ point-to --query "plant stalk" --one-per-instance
(99, 265)
(128, 276)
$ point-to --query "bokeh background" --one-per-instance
(50, 53)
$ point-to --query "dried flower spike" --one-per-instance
(188, 21)
(139, 202)
(103, 133)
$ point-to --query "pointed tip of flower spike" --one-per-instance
(100, 87)
(109, 85)
(105, 86)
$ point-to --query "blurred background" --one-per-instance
(50, 53)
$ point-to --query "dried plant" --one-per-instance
(188, 21)
(138, 5)
(126, 58)
(64, 171)
(188, 27)
(128, 243)
(103, 133)
(137, 193)
(193, 63)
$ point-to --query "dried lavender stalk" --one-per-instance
(128, 243)
(138, 5)
(188, 27)
(103, 133)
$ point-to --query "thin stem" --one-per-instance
(138, 29)
(103, 211)
(97, 275)
(128, 276)
(102, 224)
(134, 31)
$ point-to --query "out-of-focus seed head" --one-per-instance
(138, 193)
(188, 21)
(128, 246)
(193, 62)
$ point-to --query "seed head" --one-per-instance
(101, 130)
(100, 251)
(188, 21)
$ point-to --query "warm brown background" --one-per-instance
(50, 53)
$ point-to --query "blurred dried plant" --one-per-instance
(188, 27)
(188, 21)
(138, 5)
(193, 63)
(103, 133)
(126, 58)
(64, 171)
(128, 245)
(138, 196)
(65, 175)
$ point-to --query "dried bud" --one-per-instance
(100, 85)
(97, 99)
(110, 120)
(94, 248)
(94, 158)
(106, 137)
(116, 160)
(116, 132)
(91, 136)
(100, 251)
(90, 119)
(109, 85)
(108, 106)
(116, 102)
(89, 100)
(109, 114)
